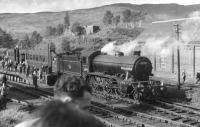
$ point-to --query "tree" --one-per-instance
(6, 39)
(60, 29)
(81, 30)
(35, 39)
(25, 42)
(50, 31)
(127, 16)
(78, 29)
(66, 45)
(107, 19)
(138, 16)
(74, 27)
(67, 20)
(116, 20)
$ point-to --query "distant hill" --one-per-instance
(18, 24)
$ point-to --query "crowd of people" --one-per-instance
(24, 67)
(3, 93)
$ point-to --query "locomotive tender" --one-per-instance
(119, 75)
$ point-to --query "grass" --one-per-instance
(10, 117)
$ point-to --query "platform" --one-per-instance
(27, 81)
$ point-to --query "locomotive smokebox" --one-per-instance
(136, 53)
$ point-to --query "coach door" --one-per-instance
(22, 57)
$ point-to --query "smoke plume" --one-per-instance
(191, 28)
(161, 45)
(112, 47)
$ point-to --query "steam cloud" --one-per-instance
(162, 45)
(158, 45)
(111, 48)
(191, 28)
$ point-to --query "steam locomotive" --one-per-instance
(119, 75)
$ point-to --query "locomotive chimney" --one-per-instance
(136, 53)
(119, 54)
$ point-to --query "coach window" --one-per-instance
(84, 60)
(36, 57)
(44, 58)
(26, 55)
(40, 58)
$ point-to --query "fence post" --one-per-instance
(172, 60)
(194, 60)
(154, 62)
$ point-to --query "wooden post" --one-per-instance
(177, 30)
(172, 60)
(178, 65)
(194, 61)
(154, 62)
(48, 55)
(81, 63)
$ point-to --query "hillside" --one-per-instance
(18, 24)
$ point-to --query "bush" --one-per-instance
(36, 38)
(60, 29)
(67, 20)
(6, 39)
(50, 31)
(65, 45)
(78, 29)
(107, 19)
(10, 117)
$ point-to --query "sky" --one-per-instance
(31, 6)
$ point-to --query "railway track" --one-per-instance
(184, 113)
(32, 91)
(18, 99)
(113, 119)
(162, 114)
(28, 97)
(176, 115)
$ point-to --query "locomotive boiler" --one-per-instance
(138, 67)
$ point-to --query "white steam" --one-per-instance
(111, 48)
(161, 45)
(191, 28)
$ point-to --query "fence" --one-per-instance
(189, 60)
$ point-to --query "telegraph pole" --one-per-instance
(177, 31)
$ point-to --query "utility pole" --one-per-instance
(177, 31)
